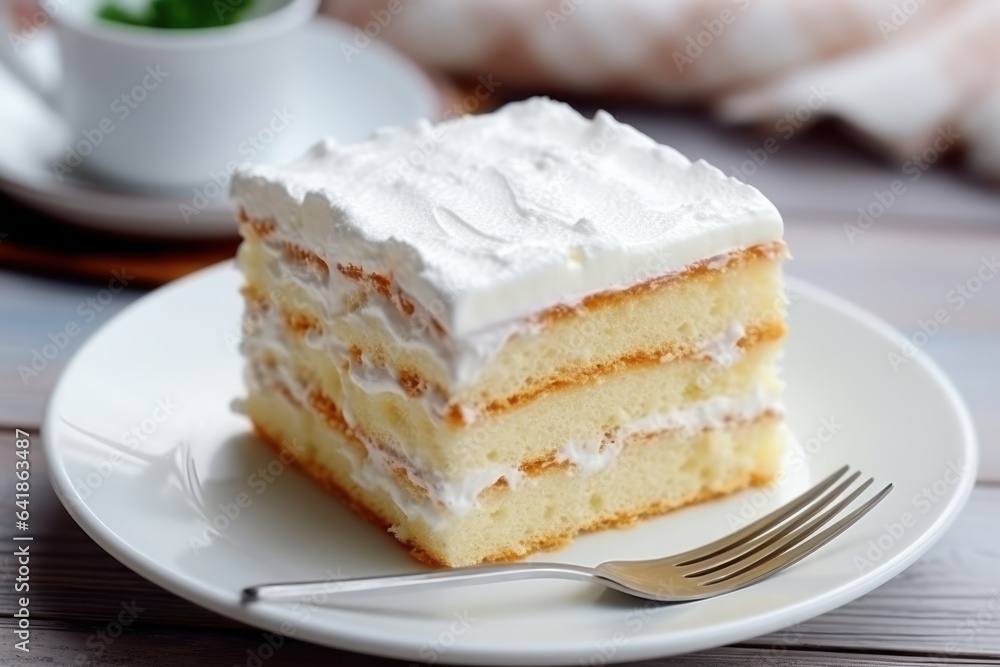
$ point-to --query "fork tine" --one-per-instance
(793, 531)
(760, 526)
(792, 534)
(732, 582)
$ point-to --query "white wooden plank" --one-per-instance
(35, 316)
(63, 643)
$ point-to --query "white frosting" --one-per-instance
(365, 375)
(374, 380)
(724, 349)
(445, 498)
(460, 358)
(484, 220)
(592, 456)
(710, 413)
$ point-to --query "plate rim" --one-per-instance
(638, 647)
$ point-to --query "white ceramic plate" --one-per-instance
(346, 100)
(145, 453)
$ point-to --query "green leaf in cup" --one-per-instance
(184, 14)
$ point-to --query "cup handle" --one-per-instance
(28, 53)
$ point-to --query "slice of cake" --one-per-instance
(494, 333)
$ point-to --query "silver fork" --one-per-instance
(745, 557)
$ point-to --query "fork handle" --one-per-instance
(460, 576)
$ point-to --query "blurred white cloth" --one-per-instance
(916, 77)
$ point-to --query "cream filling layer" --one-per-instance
(461, 358)
(722, 349)
(594, 455)
(447, 498)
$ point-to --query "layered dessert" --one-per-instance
(491, 334)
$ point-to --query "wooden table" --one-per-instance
(945, 609)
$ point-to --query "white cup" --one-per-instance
(168, 108)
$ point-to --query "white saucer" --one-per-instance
(145, 453)
(347, 101)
